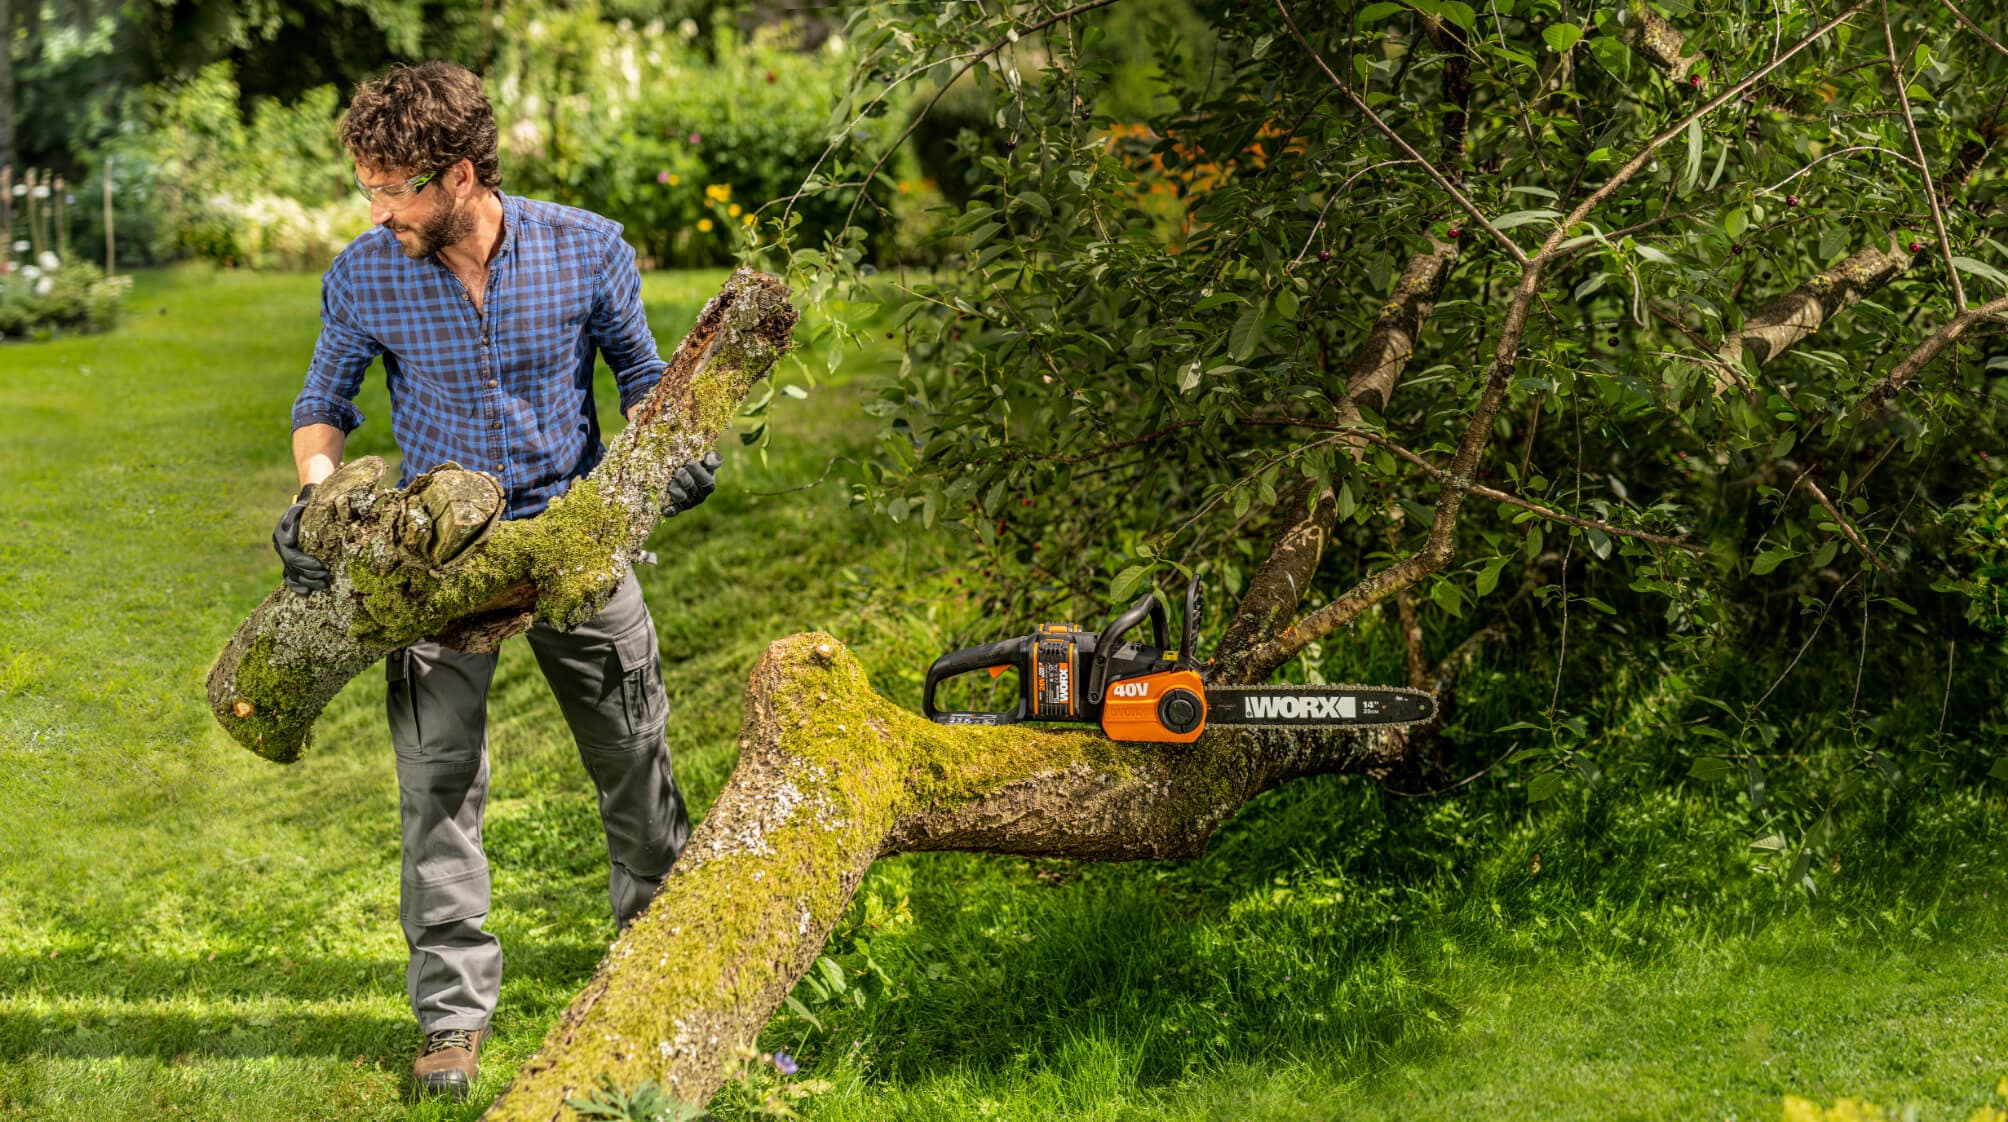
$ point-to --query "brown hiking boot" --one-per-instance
(446, 1063)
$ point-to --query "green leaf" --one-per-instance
(1825, 555)
(1590, 286)
(1286, 302)
(1488, 577)
(1783, 444)
(1600, 544)
(1561, 36)
(1771, 559)
(1999, 770)
(800, 1010)
(1446, 597)
(1374, 12)
(1833, 240)
(1711, 769)
(1460, 14)
(794, 391)
(1543, 786)
(1524, 217)
(1980, 269)
(1246, 334)
(1127, 580)
(1262, 45)
(1692, 175)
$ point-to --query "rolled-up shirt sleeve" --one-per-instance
(619, 328)
(342, 355)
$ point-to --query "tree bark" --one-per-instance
(436, 561)
(831, 777)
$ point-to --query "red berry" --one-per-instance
(1694, 80)
(1791, 200)
(1324, 255)
(771, 76)
(1916, 246)
(1024, 502)
(1736, 247)
(958, 580)
(1454, 231)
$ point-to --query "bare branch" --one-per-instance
(1848, 530)
(1631, 167)
(1973, 27)
(1442, 181)
(1278, 587)
(1804, 310)
(1656, 41)
(1917, 146)
(1901, 374)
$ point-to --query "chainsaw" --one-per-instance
(1154, 693)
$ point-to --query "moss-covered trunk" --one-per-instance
(435, 561)
(831, 777)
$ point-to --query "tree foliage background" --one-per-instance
(1721, 510)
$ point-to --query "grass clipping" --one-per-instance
(436, 561)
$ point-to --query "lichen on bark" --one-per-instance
(434, 560)
(832, 776)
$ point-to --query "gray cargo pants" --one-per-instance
(608, 679)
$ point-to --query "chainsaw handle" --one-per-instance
(1105, 646)
(1004, 652)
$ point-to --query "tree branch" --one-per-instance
(1442, 181)
(1278, 587)
(1878, 395)
(1631, 167)
(831, 777)
(1917, 146)
(433, 561)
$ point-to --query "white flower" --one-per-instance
(30, 272)
(43, 286)
(49, 261)
(20, 189)
(21, 246)
(42, 192)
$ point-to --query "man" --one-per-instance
(487, 311)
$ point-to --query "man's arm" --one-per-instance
(619, 327)
(317, 451)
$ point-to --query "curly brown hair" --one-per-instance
(424, 118)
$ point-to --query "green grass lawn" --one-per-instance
(187, 931)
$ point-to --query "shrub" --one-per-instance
(38, 299)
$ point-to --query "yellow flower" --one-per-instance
(733, 210)
(748, 220)
(719, 192)
(675, 179)
(704, 225)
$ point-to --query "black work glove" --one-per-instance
(304, 572)
(693, 484)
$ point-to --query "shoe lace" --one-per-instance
(449, 1038)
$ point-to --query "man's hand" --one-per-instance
(693, 484)
(304, 572)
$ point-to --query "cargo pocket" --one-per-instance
(445, 899)
(400, 703)
(644, 703)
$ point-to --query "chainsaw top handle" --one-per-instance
(1105, 646)
(1004, 652)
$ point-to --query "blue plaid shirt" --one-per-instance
(509, 389)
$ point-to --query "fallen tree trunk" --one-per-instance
(831, 777)
(435, 560)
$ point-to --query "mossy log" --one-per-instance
(436, 561)
(831, 777)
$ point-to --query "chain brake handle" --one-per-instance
(1149, 606)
